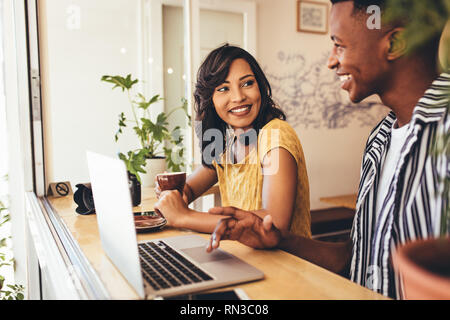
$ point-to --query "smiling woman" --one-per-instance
(255, 155)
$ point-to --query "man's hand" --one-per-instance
(245, 227)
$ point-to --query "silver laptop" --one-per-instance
(163, 267)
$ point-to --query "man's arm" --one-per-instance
(333, 256)
(249, 229)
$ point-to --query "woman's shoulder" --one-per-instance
(277, 124)
(278, 133)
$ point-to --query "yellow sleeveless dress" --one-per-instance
(241, 184)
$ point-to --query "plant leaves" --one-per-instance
(135, 161)
(120, 82)
(143, 104)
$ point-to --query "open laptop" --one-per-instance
(163, 267)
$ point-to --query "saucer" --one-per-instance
(149, 223)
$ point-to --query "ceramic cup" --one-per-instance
(171, 181)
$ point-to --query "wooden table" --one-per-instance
(346, 201)
(287, 277)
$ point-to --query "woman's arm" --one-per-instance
(199, 182)
(279, 191)
(279, 187)
(178, 215)
(175, 209)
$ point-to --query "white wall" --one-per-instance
(332, 132)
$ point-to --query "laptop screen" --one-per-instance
(115, 216)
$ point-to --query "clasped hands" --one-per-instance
(245, 227)
(240, 225)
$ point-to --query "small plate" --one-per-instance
(148, 221)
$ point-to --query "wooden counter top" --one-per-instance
(286, 277)
(346, 201)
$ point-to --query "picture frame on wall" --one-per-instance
(312, 16)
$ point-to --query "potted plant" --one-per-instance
(424, 264)
(158, 145)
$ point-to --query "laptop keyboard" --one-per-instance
(163, 267)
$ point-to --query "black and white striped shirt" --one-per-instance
(416, 198)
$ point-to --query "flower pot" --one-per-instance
(135, 189)
(425, 268)
(153, 167)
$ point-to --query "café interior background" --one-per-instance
(82, 40)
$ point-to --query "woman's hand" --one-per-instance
(173, 207)
(158, 192)
(157, 189)
(245, 227)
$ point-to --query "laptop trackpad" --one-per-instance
(200, 255)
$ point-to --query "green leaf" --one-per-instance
(155, 98)
(143, 104)
(6, 218)
(122, 120)
(139, 132)
(161, 119)
(147, 125)
(135, 161)
(122, 157)
(120, 82)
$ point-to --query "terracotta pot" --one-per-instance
(425, 268)
(153, 167)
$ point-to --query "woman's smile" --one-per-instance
(241, 110)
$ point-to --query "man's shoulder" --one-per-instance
(381, 129)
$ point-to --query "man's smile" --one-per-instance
(345, 79)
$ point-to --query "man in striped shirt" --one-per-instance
(401, 193)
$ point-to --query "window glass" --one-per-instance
(81, 41)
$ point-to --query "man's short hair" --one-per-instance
(429, 46)
(360, 6)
